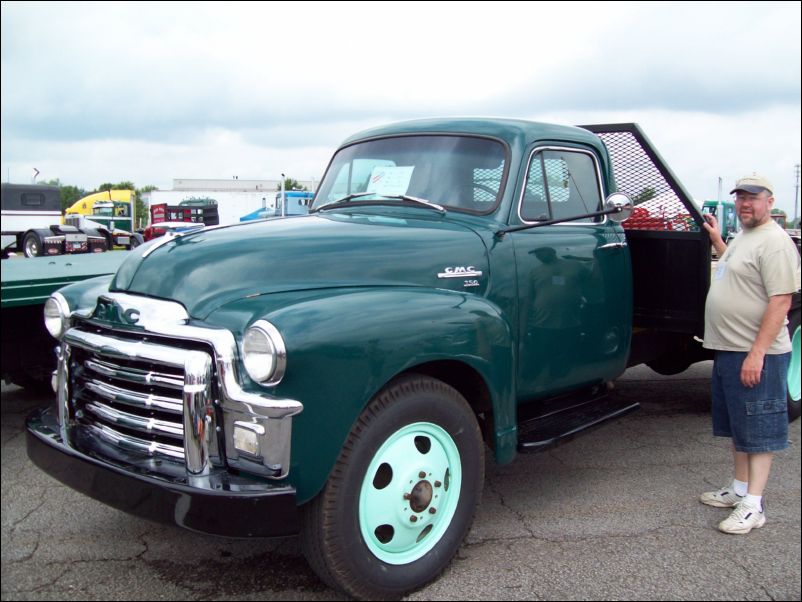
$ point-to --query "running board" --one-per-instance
(561, 419)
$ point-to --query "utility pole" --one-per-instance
(283, 195)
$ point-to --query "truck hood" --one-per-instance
(205, 270)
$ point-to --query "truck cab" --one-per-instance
(724, 212)
(296, 202)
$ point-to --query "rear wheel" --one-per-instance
(402, 494)
(32, 244)
(670, 364)
(136, 240)
(794, 368)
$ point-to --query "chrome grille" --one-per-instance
(128, 392)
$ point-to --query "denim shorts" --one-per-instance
(756, 419)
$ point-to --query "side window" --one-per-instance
(732, 223)
(535, 207)
(561, 184)
(33, 199)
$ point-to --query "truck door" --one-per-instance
(574, 282)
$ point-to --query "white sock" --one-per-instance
(755, 501)
(740, 487)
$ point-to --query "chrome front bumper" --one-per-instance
(230, 506)
(106, 378)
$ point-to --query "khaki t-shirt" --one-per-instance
(759, 263)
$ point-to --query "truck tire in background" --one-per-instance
(136, 240)
(402, 495)
(794, 368)
(670, 364)
(32, 245)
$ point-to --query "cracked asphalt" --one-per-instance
(610, 515)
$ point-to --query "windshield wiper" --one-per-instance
(401, 197)
(343, 200)
(414, 199)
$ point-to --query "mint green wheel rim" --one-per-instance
(794, 370)
(415, 473)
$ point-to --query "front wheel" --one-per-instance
(402, 494)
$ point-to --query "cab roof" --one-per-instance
(515, 132)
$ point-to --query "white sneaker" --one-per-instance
(723, 498)
(743, 519)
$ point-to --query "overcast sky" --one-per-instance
(106, 92)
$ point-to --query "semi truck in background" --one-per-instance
(195, 210)
(34, 226)
(31, 216)
(296, 202)
(86, 205)
(113, 210)
(724, 212)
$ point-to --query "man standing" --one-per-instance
(745, 318)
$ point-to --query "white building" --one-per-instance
(235, 198)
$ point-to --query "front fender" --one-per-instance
(344, 346)
(82, 296)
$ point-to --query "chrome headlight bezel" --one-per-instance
(57, 315)
(264, 354)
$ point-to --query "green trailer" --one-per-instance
(27, 348)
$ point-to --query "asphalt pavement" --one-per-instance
(611, 515)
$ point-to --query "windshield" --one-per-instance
(460, 172)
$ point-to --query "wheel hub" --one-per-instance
(421, 496)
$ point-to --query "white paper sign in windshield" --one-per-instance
(390, 179)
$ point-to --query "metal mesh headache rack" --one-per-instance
(660, 201)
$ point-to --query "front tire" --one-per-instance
(402, 495)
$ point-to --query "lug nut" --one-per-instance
(432, 510)
(422, 474)
(437, 483)
(413, 519)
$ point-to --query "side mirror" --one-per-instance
(618, 207)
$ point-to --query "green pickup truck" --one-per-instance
(458, 283)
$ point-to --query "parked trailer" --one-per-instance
(31, 216)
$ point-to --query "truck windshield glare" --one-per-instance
(460, 172)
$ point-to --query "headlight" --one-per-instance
(57, 315)
(264, 354)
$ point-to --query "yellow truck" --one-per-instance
(109, 209)
(85, 205)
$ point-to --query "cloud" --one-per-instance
(156, 91)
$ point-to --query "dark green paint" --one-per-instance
(356, 295)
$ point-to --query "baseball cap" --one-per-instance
(753, 184)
